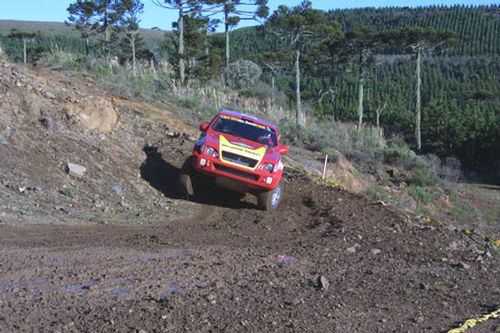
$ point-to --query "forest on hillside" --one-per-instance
(460, 87)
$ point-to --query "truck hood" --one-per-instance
(241, 146)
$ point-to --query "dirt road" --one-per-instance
(234, 268)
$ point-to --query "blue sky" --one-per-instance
(55, 10)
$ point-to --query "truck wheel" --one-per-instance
(270, 199)
(185, 181)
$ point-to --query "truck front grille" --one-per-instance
(241, 160)
(236, 172)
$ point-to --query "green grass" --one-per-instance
(398, 155)
(67, 191)
(420, 194)
(377, 192)
(464, 211)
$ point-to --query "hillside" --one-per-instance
(120, 249)
(62, 29)
(460, 91)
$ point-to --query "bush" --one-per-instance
(243, 73)
(377, 192)
(398, 155)
(421, 173)
(420, 194)
(190, 103)
(463, 211)
(449, 170)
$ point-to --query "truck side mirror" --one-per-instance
(203, 127)
(283, 150)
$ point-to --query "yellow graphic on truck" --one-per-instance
(254, 154)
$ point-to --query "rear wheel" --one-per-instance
(270, 199)
(185, 178)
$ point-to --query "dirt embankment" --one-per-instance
(326, 261)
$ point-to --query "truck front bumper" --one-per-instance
(256, 180)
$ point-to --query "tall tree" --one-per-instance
(183, 7)
(108, 14)
(420, 41)
(130, 21)
(98, 16)
(358, 45)
(235, 11)
(301, 26)
(197, 44)
(82, 17)
(379, 103)
(25, 36)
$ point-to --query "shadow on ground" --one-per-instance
(164, 177)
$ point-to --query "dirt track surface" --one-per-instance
(239, 269)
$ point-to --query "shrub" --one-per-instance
(423, 176)
(463, 211)
(398, 155)
(449, 170)
(420, 194)
(243, 73)
(376, 192)
(190, 103)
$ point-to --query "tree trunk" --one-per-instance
(107, 32)
(227, 45)
(24, 50)
(226, 30)
(134, 69)
(300, 118)
(87, 47)
(360, 96)
(377, 110)
(226, 33)
(272, 88)
(418, 102)
(335, 116)
(182, 70)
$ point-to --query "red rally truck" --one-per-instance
(242, 153)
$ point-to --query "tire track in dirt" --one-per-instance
(237, 268)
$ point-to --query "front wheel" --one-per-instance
(185, 180)
(270, 199)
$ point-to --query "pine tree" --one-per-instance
(234, 11)
(300, 25)
(25, 37)
(82, 17)
(183, 7)
(130, 21)
(420, 40)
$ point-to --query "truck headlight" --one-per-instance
(269, 167)
(211, 152)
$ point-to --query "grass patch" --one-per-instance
(463, 211)
(67, 191)
(420, 194)
(377, 192)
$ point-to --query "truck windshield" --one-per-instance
(246, 129)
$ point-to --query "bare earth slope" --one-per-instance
(154, 262)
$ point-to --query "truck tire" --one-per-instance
(185, 177)
(270, 199)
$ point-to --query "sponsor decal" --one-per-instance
(246, 122)
(226, 146)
